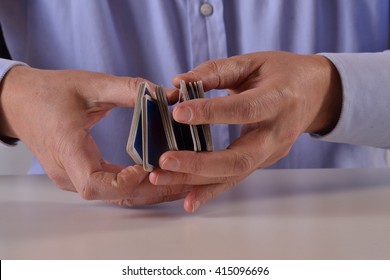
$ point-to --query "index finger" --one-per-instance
(223, 73)
(243, 156)
(248, 107)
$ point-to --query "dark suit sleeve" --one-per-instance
(4, 53)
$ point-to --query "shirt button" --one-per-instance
(206, 9)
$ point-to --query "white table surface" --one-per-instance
(273, 214)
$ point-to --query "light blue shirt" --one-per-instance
(159, 39)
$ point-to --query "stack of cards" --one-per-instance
(153, 130)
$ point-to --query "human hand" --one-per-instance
(276, 96)
(52, 112)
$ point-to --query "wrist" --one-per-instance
(7, 133)
(329, 83)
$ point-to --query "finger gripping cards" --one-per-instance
(153, 130)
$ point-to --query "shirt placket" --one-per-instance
(207, 30)
(208, 41)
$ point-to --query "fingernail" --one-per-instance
(182, 114)
(195, 206)
(171, 164)
(163, 178)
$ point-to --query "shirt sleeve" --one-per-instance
(5, 66)
(365, 115)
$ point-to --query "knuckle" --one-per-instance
(230, 184)
(211, 194)
(205, 111)
(213, 67)
(168, 198)
(193, 75)
(224, 180)
(87, 192)
(61, 181)
(294, 100)
(129, 202)
(133, 83)
(290, 134)
(63, 187)
(242, 163)
(56, 177)
(283, 153)
(249, 110)
(198, 164)
(122, 202)
(275, 157)
(166, 191)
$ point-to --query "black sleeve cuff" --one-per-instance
(9, 141)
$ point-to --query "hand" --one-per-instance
(52, 112)
(276, 96)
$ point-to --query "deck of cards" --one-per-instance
(154, 131)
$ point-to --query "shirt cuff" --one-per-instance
(365, 115)
(6, 65)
